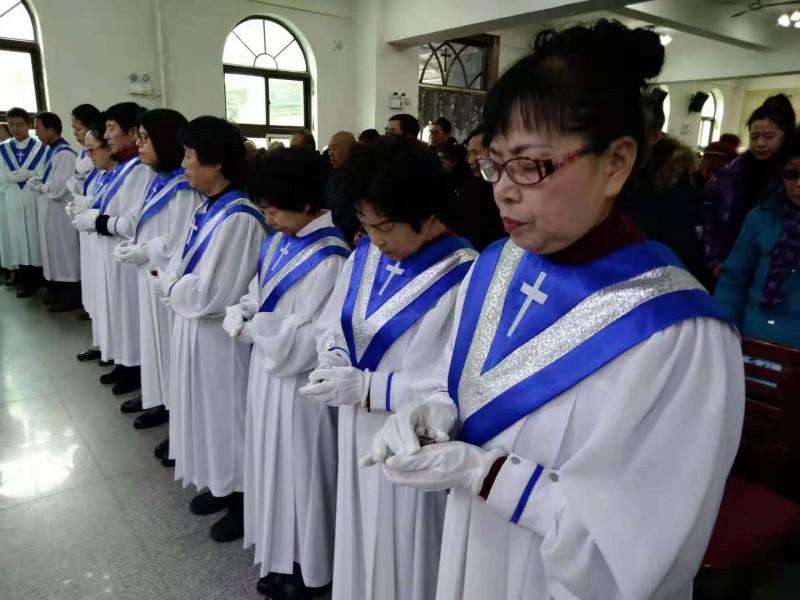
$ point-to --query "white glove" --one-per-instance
(233, 321)
(134, 254)
(82, 202)
(161, 283)
(246, 334)
(442, 466)
(86, 220)
(401, 433)
(338, 386)
(34, 185)
(21, 175)
(69, 208)
(333, 357)
(75, 185)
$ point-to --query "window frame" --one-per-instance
(254, 130)
(34, 51)
(710, 121)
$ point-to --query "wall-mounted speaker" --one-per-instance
(697, 102)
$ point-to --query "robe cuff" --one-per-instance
(526, 494)
(380, 392)
(101, 225)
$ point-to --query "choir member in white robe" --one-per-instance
(598, 392)
(117, 309)
(21, 159)
(387, 319)
(290, 442)
(208, 370)
(58, 239)
(151, 234)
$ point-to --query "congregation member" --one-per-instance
(117, 300)
(403, 126)
(60, 249)
(386, 322)
(23, 159)
(151, 234)
(735, 189)
(440, 133)
(207, 369)
(758, 287)
(303, 139)
(715, 156)
(369, 136)
(583, 465)
(343, 213)
(290, 442)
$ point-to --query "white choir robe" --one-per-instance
(117, 303)
(208, 370)
(290, 442)
(20, 237)
(83, 166)
(600, 522)
(61, 260)
(387, 537)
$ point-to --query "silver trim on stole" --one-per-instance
(587, 318)
(364, 329)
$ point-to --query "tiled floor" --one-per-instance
(86, 512)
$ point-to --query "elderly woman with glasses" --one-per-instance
(591, 397)
(758, 287)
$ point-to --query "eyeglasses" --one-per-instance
(528, 171)
(142, 137)
(791, 175)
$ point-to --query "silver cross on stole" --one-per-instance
(393, 270)
(532, 292)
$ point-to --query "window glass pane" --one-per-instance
(16, 73)
(252, 35)
(235, 53)
(245, 100)
(259, 142)
(282, 140)
(16, 23)
(709, 108)
(286, 103)
(292, 59)
(472, 58)
(431, 75)
(277, 37)
(265, 61)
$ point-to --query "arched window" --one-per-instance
(267, 83)
(20, 59)
(667, 105)
(710, 119)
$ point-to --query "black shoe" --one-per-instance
(162, 450)
(289, 587)
(269, 583)
(125, 386)
(106, 363)
(168, 462)
(133, 405)
(62, 308)
(112, 376)
(152, 417)
(50, 298)
(90, 354)
(27, 292)
(207, 503)
(228, 529)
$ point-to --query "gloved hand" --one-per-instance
(34, 185)
(233, 321)
(246, 334)
(82, 202)
(86, 220)
(338, 386)
(442, 466)
(161, 283)
(75, 185)
(134, 254)
(21, 175)
(334, 357)
(401, 433)
(69, 208)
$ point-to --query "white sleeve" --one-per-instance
(63, 167)
(637, 503)
(180, 211)
(329, 324)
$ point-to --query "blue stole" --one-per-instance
(60, 146)
(372, 321)
(118, 174)
(15, 163)
(574, 320)
(288, 259)
(87, 181)
(210, 219)
(160, 191)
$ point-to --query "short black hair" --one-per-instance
(401, 179)
(308, 139)
(792, 146)
(50, 121)
(125, 114)
(19, 113)
(163, 125)
(408, 124)
(653, 112)
(98, 129)
(368, 136)
(584, 80)
(445, 124)
(731, 139)
(779, 110)
(288, 179)
(453, 152)
(217, 142)
(85, 113)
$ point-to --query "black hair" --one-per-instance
(731, 139)
(308, 139)
(98, 129)
(792, 145)
(779, 110)
(401, 179)
(288, 179)
(125, 114)
(584, 80)
(453, 152)
(163, 125)
(19, 113)
(445, 124)
(217, 142)
(477, 131)
(368, 136)
(653, 112)
(5, 126)
(50, 121)
(85, 113)
(408, 124)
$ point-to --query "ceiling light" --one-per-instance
(795, 16)
(784, 21)
(797, 24)
(665, 39)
